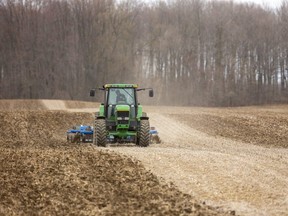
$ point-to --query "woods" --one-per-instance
(192, 52)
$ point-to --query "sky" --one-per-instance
(271, 3)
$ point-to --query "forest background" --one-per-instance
(192, 52)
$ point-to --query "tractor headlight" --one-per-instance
(123, 118)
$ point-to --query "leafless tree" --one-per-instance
(193, 52)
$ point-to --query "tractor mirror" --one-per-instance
(92, 93)
(151, 93)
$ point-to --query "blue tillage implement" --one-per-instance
(84, 133)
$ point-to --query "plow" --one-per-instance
(120, 119)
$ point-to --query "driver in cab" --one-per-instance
(120, 98)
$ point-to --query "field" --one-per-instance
(212, 161)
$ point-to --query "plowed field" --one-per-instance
(211, 162)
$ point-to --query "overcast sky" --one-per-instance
(270, 3)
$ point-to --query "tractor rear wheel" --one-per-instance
(144, 135)
(100, 134)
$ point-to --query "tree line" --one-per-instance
(192, 52)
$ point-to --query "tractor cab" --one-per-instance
(120, 100)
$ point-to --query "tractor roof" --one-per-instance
(120, 86)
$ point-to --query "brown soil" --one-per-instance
(21, 105)
(227, 170)
(30, 128)
(79, 180)
(41, 174)
(235, 158)
(81, 105)
(266, 127)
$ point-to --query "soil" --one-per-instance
(211, 161)
(21, 105)
(79, 180)
(259, 126)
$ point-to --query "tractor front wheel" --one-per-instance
(143, 134)
(100, 134)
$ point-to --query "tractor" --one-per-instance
(120, 118)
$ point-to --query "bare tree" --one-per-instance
(193, 52)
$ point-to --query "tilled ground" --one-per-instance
(229, 164)
(38, 128)
(257, 125)
(41, 174)
(82, 181)
(235, 158)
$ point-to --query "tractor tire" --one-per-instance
(144, 135)
(100, 133)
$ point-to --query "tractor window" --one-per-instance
(121, 96)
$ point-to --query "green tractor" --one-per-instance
(120, 118)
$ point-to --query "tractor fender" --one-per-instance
(144, 116)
